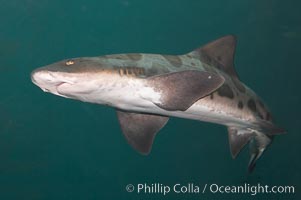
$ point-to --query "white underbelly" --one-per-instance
(141, 99)
(196, 112)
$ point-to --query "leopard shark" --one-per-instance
(147, 89)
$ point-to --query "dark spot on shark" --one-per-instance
(240, 105)
(212, 62)
(174, 60)
(239, 85)
(225, 91)
(206, 59)
(211, 96)
(129, 71)
(151, 71)
(252, 105)
(155, 70)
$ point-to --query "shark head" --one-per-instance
(74, 78)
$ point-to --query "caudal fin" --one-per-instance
(257, 139)
(257, 146)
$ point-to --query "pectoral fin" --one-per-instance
(140, 129)
(179, 90)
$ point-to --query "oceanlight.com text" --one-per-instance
(193, 188)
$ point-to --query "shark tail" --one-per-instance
(257, 146)
(258, 139)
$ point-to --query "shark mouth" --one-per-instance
(72, 89)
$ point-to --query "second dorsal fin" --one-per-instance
(219, 53)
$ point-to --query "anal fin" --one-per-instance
(140, 129)
(238, 138)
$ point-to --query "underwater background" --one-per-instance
(57, 148)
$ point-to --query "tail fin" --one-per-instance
(257, 145)
(258, 141)
(269, 128)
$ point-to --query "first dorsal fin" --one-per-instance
(219, 53)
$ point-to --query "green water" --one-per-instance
(55, 148)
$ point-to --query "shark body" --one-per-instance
(147, 89)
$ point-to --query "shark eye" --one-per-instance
(69, 62)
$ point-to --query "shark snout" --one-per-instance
(48, 81)
(44, 78)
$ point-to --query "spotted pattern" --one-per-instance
(206, 59)
(225, 91)
(211, 62)
(174, 60)
(252, 105)
(240, 105)
(152, 71)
